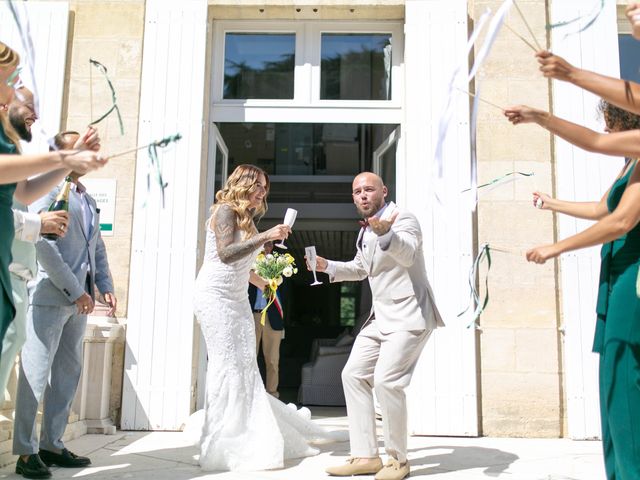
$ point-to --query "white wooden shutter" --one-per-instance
(49, 27)
(582, 176)
(157, 390)
(443, 394)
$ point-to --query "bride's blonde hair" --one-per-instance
(240, 185)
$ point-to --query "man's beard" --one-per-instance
(374, 210)
(20, 127)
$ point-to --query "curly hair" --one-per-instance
(240, 185)
(617, 119)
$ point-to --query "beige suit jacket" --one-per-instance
(402, 297)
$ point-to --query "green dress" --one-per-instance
(617, 340)
(7, 309)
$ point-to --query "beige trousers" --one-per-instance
(386, 361)
(271, 348)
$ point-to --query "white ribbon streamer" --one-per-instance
(494, 27)
(447, 112)
(492, 33)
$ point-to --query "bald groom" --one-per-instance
(403, 315)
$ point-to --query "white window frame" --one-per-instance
(306, 105)
(397, 56)
(219, 36)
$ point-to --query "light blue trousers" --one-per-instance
(50, 368)
(16, 335)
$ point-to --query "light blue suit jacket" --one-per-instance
(71, 265)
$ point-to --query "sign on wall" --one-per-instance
(103, 190)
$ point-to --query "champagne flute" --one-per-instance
(289, 220)
(310, 252)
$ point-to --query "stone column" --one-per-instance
(103, 348)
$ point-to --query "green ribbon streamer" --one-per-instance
(485, 252)
(497, 180)
(595, 13)
(154, 162)
(102, 69)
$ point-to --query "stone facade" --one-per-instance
(521, 349)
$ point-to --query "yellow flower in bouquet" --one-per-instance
(272, 267)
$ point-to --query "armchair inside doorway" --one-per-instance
(321, 377)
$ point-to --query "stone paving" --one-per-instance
(170, 455)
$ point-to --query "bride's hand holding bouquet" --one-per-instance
(272, 267)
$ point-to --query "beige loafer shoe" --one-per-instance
(393, 470)
(355, 467)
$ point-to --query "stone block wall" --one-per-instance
(110, 32)
(520, 355)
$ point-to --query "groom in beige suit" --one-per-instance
(387, 348)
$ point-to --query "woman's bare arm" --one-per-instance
(15, 168)
(621, 144)
(28, 191)
(624, 218)
(625, 95)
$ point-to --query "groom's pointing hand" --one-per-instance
(380, 227)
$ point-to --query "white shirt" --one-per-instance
(27, 226)
(87, 215)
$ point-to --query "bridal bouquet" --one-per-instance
(272, 267)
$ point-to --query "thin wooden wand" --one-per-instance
(159, 143)
(521, 37)
(524, 19)
(481, 99)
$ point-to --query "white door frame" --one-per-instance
(215, 141)
(383, 148)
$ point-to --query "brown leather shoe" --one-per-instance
(353, 467)
(393, 470)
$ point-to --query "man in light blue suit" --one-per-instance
(61, 297)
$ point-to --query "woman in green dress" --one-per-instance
(617, 337)
(8, 63)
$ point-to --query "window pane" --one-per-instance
(355, 66)
(259, 65)
(629, 58)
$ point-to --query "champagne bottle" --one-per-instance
(60, 203)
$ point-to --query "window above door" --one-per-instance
(307, 64)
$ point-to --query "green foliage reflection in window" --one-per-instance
(355, 66)
(259, 65)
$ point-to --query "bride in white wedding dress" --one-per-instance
(245, 428)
